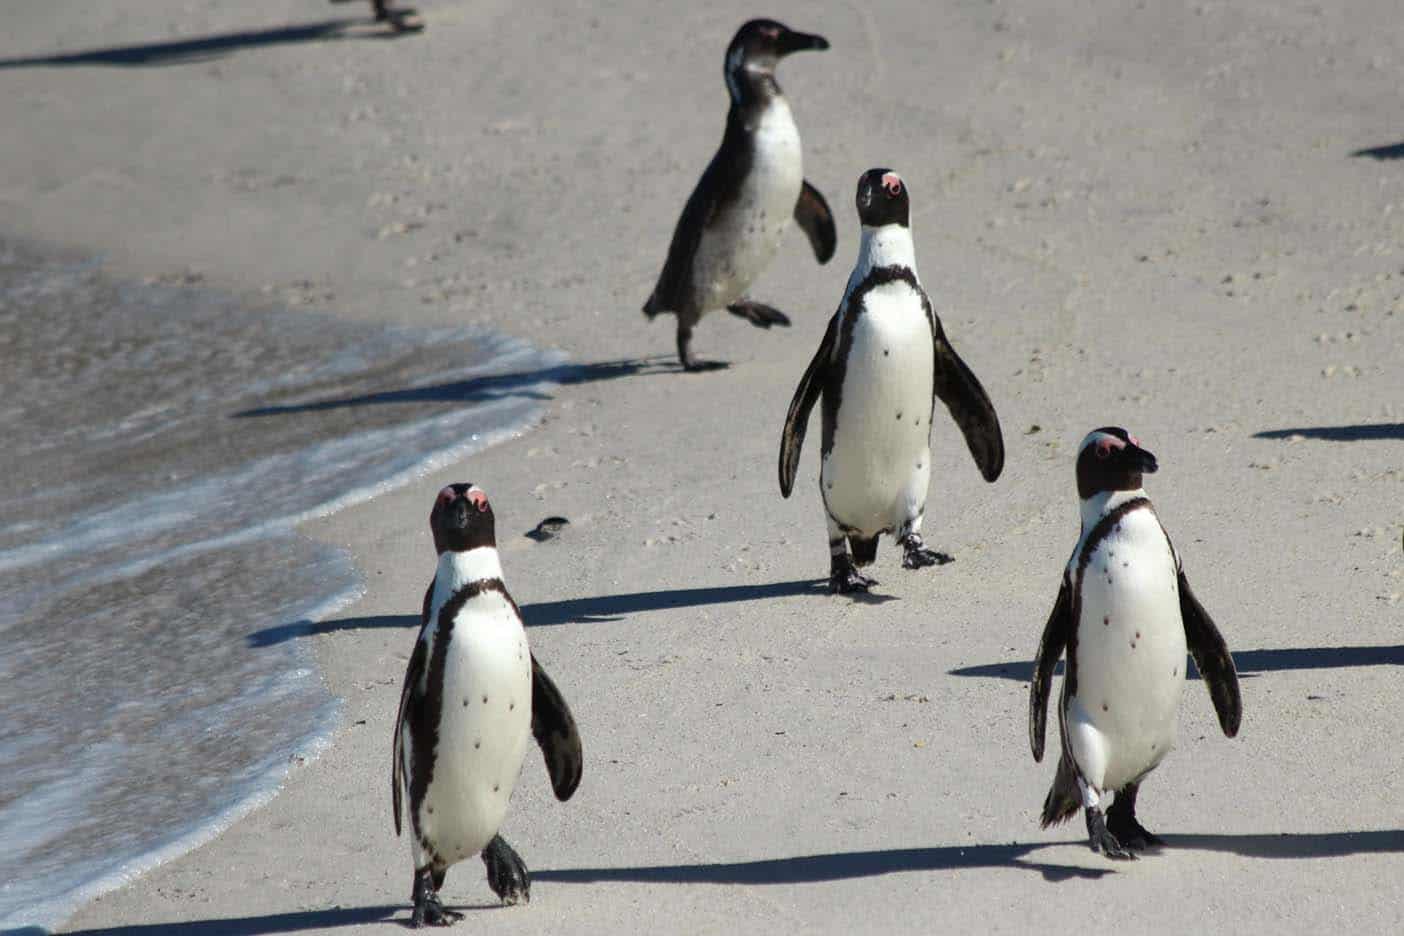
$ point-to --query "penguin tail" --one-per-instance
(1063, 801)
(650, 308)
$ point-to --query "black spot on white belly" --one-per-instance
(465, 702)
(1104, 707)
(885, 352)
(899, 415)
(494, 787)
(485, 700)
(1106, 622)
(477, 744)
(512, 706)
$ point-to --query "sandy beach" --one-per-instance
(1148, 215)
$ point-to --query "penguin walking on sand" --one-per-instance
(883, 363)
(732, 224)
(1125, 616)
(473, 693)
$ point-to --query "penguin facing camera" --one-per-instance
(1125, 616)
(882, 365)
(473, 693)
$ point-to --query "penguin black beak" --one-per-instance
(793, 41)
(1145, 462)
(456, 517)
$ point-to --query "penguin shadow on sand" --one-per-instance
(1249, 663)
(835, 866)
(532, 384)
(1294, 844)
(297, 922)
(596, 610)
(1389, 151)
(1365, 432)
(206, 48)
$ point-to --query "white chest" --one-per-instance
(881, 436)
(1131, 646)
(744, 237)
(777, 166)
(484, 727)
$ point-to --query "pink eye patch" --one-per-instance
(892, 184)
(479, 499)
(1106, 445)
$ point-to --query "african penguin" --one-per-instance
(882, 364)
(1125, 615)
(732, 224)
(473, 693)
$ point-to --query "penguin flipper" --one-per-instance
(1050, 648)
(671, 293)
(413, 673)
(813, 215)
(958, 387)
(554, 729)
(1212, 657)
(797, 419)
(719, 185)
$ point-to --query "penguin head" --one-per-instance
(882, 199)
(760, 43)
(1111, 459)
(461, 519)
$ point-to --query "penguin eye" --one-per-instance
(447, 495)
(1104, 448)
(479, 500)
(770, 32)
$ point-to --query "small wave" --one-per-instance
(163, 444)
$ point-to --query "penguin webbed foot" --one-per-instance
(1122, 823)
(1100, 838)
(844, 579)
(428, 909)
(758, 313)
(689, 363)
(916, 554)
(400, 19)
(507, 873)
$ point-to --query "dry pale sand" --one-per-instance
(1147, 215)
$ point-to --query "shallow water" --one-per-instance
(160, 445)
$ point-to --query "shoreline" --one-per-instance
(57, 281)
(1137, 217)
